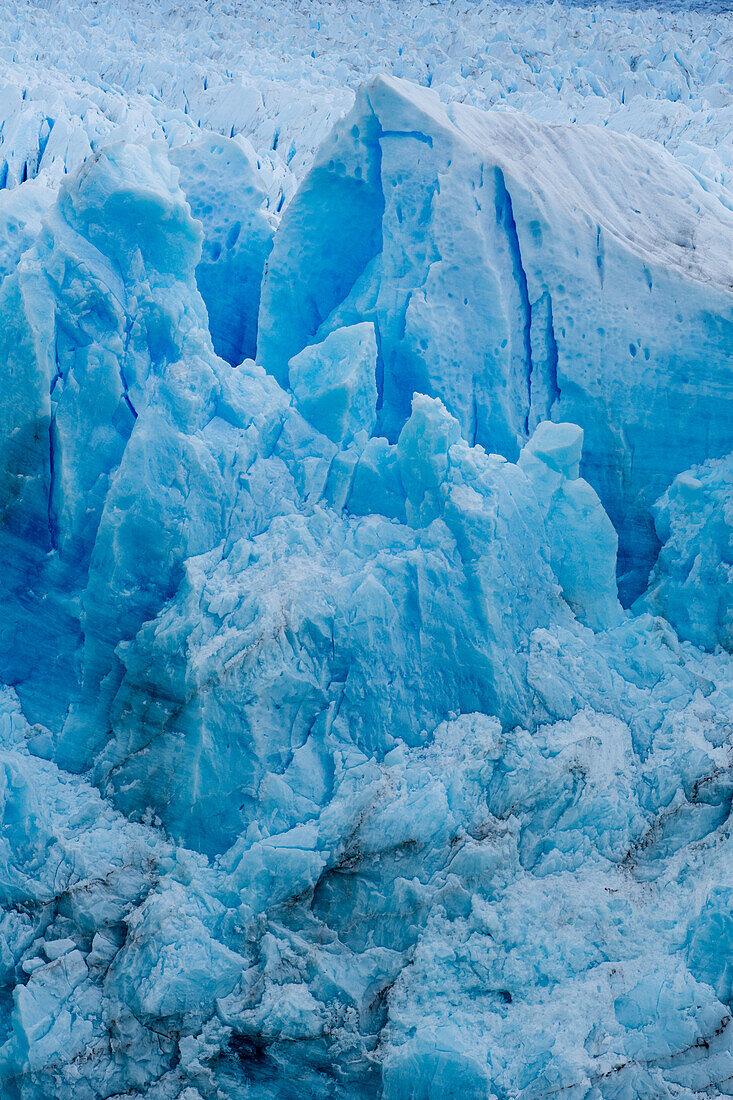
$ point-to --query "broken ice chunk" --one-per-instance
(335, 382)
(559, 446)
(582, 541)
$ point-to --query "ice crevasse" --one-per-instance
(332, 761)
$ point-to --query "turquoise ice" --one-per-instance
(331, 762)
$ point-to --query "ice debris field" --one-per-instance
(366, 519)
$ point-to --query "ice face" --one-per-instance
(521, 273)
(87, 341)
(330, 763)
(691, 581)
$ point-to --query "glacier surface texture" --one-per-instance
(366, 519)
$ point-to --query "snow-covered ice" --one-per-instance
(366, 511)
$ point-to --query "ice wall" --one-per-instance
(520, 272)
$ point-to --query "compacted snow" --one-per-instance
(366, 508)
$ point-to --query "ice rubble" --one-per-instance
(330, 762)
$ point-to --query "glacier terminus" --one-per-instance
(366, 520)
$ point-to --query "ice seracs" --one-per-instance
(520, 272)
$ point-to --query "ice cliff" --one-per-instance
(331, 762)
(519, 278)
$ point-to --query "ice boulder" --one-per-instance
(520, 272)
(334, 382)
(171, 964)
(692, 581)
(315, 628)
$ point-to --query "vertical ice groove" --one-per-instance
(53, 443)
(600, 254)
(379, 368)
(126, 394)
(544, 387)
(505, 218)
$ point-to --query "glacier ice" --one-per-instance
(331, 762)
(519, 278)
(229, 196)
(334, 382)
(691, 581)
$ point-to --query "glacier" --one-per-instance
(366, 509)
(521, 299)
